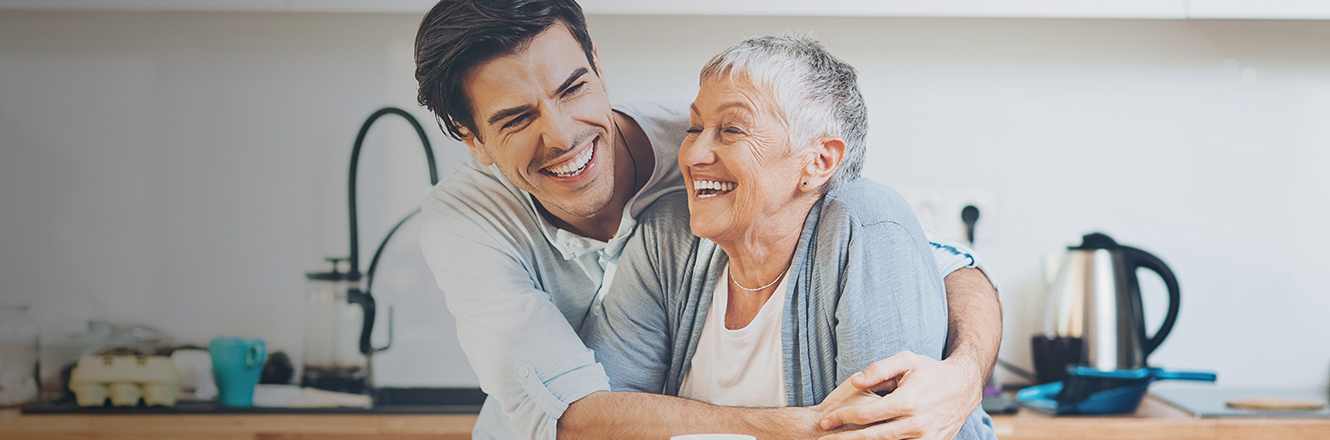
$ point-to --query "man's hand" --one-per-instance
(850, 395)
(929, 400)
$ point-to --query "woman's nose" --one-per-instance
(699, 151)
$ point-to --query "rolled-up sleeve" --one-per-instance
(951, 256)
(518, 342)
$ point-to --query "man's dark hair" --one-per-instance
(458, 35)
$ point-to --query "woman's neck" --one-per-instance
(759, 259)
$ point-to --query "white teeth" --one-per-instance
(573, 166)
(712, 185)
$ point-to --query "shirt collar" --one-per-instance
(571, 245)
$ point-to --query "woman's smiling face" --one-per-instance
(736, 160)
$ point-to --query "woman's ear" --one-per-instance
(475, 145)
(822, 160)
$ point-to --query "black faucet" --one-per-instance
(355, 295)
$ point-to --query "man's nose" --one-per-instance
(558, 131)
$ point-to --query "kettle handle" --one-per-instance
(1136, 258)
(366, 303)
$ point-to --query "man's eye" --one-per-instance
(515, 122)
(574, 89)
(694, 130)
(733, 130)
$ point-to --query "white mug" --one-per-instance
(195, 368)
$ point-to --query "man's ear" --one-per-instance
(595, 61)
(822, 160)
(475, 145)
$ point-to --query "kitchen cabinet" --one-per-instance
(146, 5)
(899, 8)
(410, 6)
(881, 8)
(1127, 9)
(1273, 9)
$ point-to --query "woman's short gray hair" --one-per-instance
(815, 94)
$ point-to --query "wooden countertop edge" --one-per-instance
(1155, 419)
(185, 424)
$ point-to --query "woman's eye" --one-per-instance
(694, 130)
(733, 130)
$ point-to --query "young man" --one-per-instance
(523, 238)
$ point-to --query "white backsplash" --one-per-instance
(184, 169)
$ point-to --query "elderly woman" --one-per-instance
(792, 274)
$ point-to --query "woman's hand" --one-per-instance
(846, 396)
(929, 399)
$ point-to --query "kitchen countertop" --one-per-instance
(1154, 420)
(14, 425)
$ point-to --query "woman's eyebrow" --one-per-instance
(734, 104)
(726, 106)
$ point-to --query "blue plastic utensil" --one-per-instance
(1090, 391)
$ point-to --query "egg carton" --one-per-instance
(125, 380)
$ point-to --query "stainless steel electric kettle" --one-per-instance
(1094, 316)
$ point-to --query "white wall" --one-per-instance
(184, 169)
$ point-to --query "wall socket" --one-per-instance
(940, 210)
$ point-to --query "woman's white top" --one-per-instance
(743, 367)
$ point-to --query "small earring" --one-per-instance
(805, 183)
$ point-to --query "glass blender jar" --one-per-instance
(18, 356)
(336, 317)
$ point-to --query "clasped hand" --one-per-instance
(926, 399)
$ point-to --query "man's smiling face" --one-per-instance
(543, 117)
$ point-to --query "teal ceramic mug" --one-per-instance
(236, 366)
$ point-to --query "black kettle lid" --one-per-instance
(1097, 240)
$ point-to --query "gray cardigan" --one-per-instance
(863, 287)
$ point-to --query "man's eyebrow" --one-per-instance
(505, 113)
(508, 112)
(577, 74)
